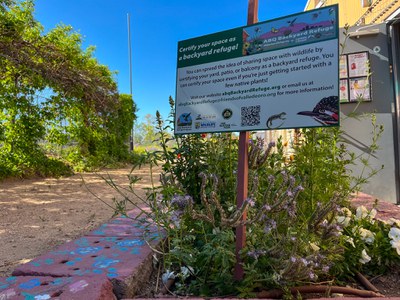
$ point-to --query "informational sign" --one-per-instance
(282, 73)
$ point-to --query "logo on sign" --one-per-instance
(227, 113)
(185, 119)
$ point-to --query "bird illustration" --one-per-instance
(291, 23)
(185, 119)
(274, 30)
(325, 112)
(315, 16)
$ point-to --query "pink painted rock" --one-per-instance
(63, 288)
(127, 262)
(125, 227)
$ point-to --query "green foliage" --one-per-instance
(295, 210)
(370, 246)
(145, 132)
(54, 95)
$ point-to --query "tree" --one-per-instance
(72, 85)
(145, 131)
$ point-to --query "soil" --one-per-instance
(39, 214)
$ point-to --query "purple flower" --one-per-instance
(304, 261)
(256, 253)
(252, 254)
(270, 224)
(266, 207)
(260, 143)
(292, 180)
(181, 201)
(251, 202)
(311, 275)
(297, 189)
(292, 210)
(176, 217)
(284, 176)
(271, 179)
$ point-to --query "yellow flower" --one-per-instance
(314, 247)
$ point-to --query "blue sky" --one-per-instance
(156, 28)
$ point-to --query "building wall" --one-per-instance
(358, 12)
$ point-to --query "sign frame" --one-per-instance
(211, 62)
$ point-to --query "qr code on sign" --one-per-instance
(250, 115)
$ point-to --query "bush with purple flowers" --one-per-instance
(296, 212)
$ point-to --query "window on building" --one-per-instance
(366, 3)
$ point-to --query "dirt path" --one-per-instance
(38, 214)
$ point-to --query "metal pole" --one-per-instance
(132, 139)
(243, 167)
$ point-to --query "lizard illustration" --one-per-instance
(281, 116)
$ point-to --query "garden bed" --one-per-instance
(44, 201)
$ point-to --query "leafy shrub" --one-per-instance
(295, 212)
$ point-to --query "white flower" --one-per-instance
(396, 245)
(394, 234)
(364, 257)
(372, 213)
(167, 275)
(363, 213)
(343, 220)
(367, 236)
(314, 247)
(349, 240)
(393, 221)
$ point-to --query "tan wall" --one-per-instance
(349, 10)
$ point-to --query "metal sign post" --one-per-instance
(243, 171)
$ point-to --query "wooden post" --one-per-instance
(243, 167)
